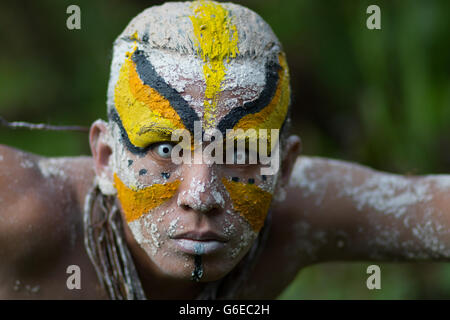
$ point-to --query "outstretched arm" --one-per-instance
(344, 211)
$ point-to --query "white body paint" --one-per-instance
(396, 207)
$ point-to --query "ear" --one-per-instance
(292, 151)
(101, 151)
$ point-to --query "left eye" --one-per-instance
(240, 157)
(164, 150)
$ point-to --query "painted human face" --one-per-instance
(178, 212)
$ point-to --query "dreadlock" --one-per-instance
(105, 245)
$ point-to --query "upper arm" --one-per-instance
(27, 208)
(344, 211)
(19, 201)
(16, 174)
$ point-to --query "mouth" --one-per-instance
(197, 243)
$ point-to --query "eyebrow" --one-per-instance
(114, 116)
(150, 77)
(255, 106)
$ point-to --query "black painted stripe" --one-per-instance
(255, 106)
(149, 77)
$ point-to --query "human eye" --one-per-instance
(162, 150)
(240, 156)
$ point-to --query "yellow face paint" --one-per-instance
(250, 201)
(146, 115)
(217, 41)
(273, 115)
(135, 202)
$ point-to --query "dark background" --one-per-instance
(377, 97)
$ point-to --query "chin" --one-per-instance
(181, 266)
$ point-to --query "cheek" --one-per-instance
(241, 234)
(148, 186)
(148, 225)
(147, 233)
(250, 201)
(137, 202)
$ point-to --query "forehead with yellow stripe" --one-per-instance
(148, 109)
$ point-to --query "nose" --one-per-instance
(199, 190)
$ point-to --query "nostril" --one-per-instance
(185, 207)
(187, 202)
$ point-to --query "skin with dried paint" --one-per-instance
(188, 219)
(332, 211)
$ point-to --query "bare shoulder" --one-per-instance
(39, 202)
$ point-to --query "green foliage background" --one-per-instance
(380, 98)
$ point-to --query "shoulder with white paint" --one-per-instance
(312, 173)
(23, 169)
(39, 202)
(15, 165)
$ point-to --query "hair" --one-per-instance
(168, 29)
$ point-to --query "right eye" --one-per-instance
(164, 150)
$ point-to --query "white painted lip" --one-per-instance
(198, 247)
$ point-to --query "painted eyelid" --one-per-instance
(247, 149)
(155, 143)
(243, 165)
(143, 151)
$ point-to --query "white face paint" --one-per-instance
(201, 203)
(244, 80)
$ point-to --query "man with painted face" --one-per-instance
(141, 225)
